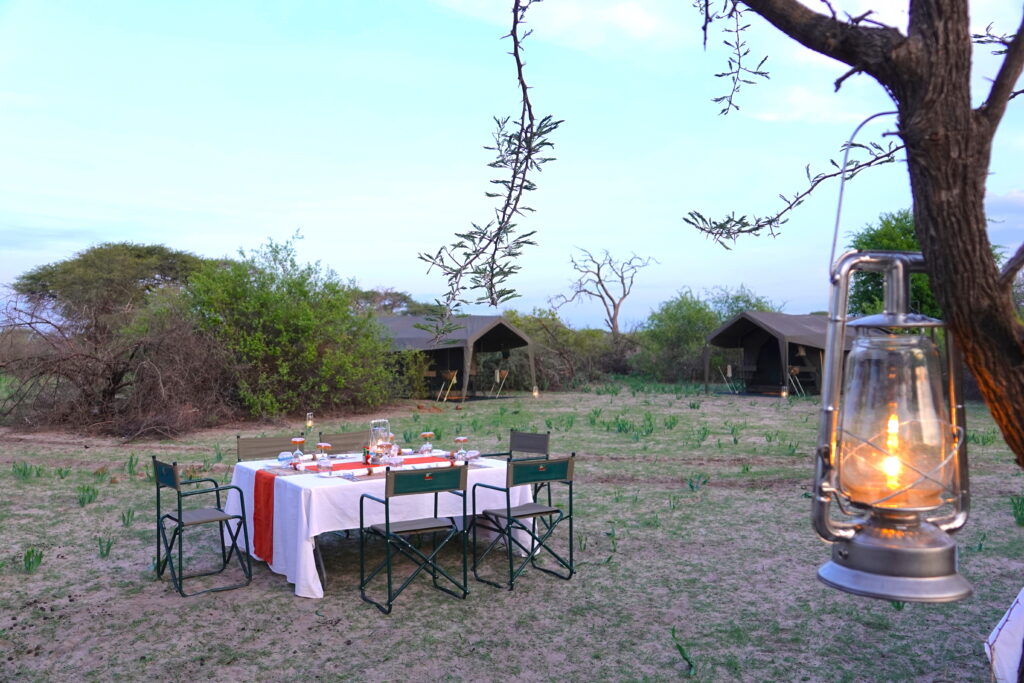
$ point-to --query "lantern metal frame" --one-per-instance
(886, 554)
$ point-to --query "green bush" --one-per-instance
(294, 335)
(672, 340)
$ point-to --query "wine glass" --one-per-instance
(427, 437)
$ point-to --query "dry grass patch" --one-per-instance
(688, 518)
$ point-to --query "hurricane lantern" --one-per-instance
(380, 435)
(891, 451)
(309, 422)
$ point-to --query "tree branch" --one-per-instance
(1002, 87)
(486, 254)
(868, 48)
(1012, 267)
(730, 228)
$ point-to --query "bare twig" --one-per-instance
(1002, 86)
(731, 227)
(851, 72)
(739, 73)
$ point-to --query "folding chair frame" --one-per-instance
(168, 476)
(505, 523)
(450, 377)
(436, 480)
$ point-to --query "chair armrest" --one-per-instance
(215, 489)
(489, 486)
(199, 481)
(496, 455)
(371, 497)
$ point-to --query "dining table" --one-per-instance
(286, 509)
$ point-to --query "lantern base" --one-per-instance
(910, 564)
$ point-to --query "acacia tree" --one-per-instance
(605, 279)
(948, 147)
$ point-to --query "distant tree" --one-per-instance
(387, 301)
(296, 341)
(726, 302)
(605, 279)
(86, 359)
(99, 288)
(894, 232)
(672, 339)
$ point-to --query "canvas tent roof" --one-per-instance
(807, 330)
(484, 332)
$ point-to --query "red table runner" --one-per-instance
(263, 515)
(360, 466)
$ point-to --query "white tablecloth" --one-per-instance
(308, 505)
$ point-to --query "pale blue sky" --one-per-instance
(209, 126)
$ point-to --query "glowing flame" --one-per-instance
(892, 429)
(891, 464)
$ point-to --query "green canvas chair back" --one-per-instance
(538, 471)
(530, 444)
(264, 447)
(166, 475)
(434, 480)
(347, 442)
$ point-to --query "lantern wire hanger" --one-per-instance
(842, 180)
(891, 453)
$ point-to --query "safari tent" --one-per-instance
(781, 353)
(455, 353)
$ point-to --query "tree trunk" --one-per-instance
(948, 151)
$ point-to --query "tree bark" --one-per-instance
(948, 147)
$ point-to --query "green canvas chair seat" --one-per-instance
(171, 526)
(396, 535)
(524, 511)
(509, 524)
(414, 526)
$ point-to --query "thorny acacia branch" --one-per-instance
(484, 257)
(738, 73)
(731, 227)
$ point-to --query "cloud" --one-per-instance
(800, 103)
(1006, 216)
(595, 24)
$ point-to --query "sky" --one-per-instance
(211, 127)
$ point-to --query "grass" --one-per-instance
(712, 579)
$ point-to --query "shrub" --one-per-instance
(292, 333)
